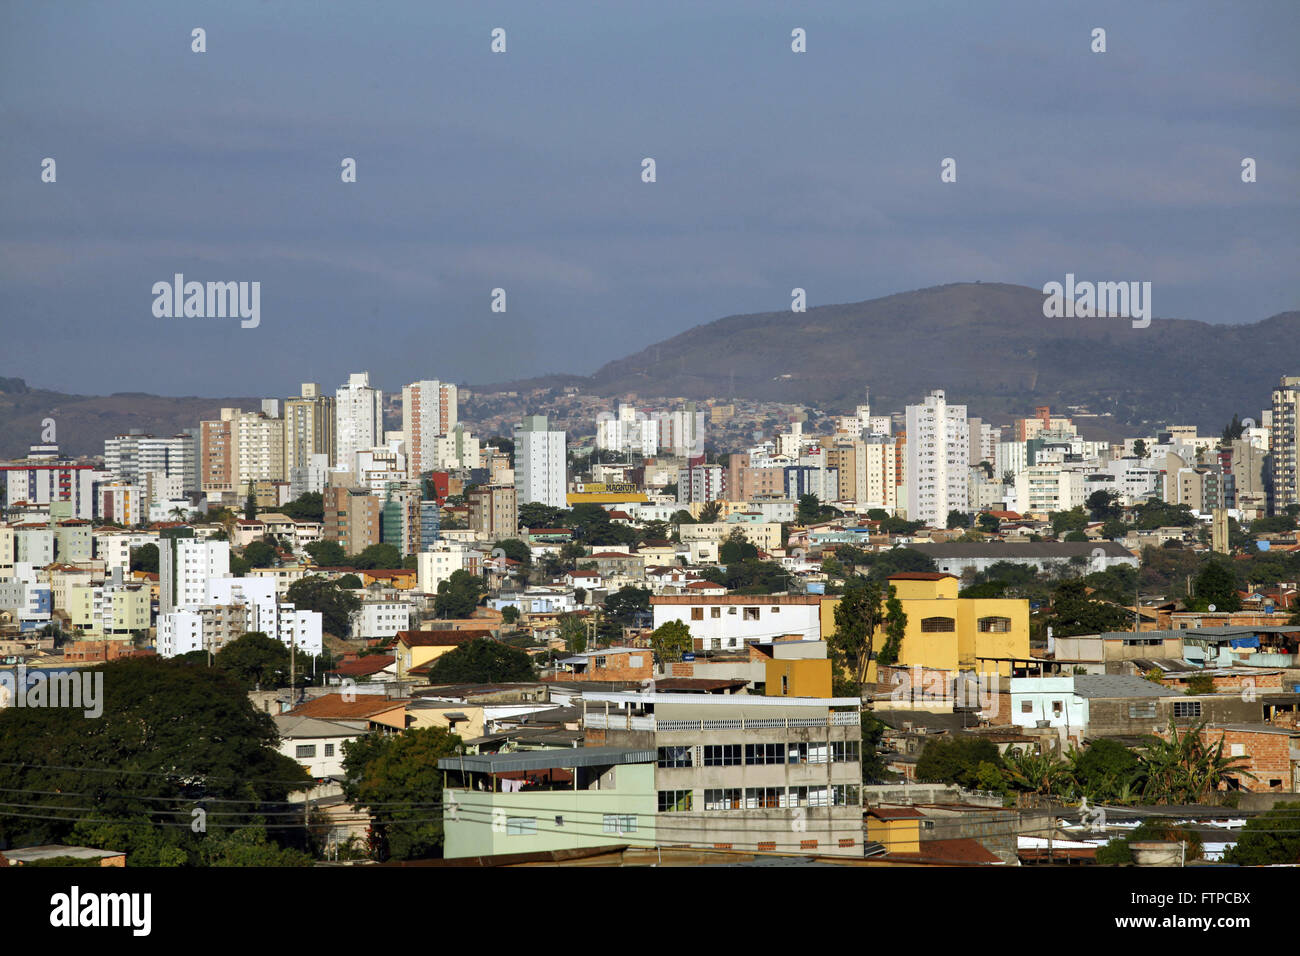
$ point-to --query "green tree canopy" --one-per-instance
(385, 556)
(306, 507)
(482, 661)
(327, 554)
(671, 640)
(145, 558)
(1271, 838)
(336, 605)
(458, 595)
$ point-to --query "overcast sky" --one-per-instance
(522, 170)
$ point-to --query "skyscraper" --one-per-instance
(308, 427)
(540, 473)
(1284, 445)
(938, 459)
(359, 419)
(428, 410)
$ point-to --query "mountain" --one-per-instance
(82, 422)
(987, 345)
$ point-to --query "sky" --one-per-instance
(522, 171)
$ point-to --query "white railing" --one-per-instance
(616, 721)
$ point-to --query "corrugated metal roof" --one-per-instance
(560, 757)
(1120, 685)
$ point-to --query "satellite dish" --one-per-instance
(1212, 609)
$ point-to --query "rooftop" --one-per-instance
(559, 758)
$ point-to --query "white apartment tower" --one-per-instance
(184, 567)
(938, 459)
(540, 463)
(358, 419)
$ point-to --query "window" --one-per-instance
(619, 823)
(725, 799)
(674, 801)
(521, 826)
(845, 795)
(674, 757)
(819, 796)
(1026, 706)
(722, 755)
(785, 685)
(796, 797)
(697, 614)
(764, 754)
(306, 750)
(806, 753)
(1056, 708)
(763, 798)
(1187, 708)
(329, 750)
(715, 612)
(600, 662)
(844, 751)
(935, 625)
(995, 625)
(751, 614)
(776, 609)
(1146, 711)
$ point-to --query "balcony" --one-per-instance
(615, 721)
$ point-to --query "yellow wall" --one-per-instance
(408, 657)
(804, 678)
(898, 836)
(424, 717)
(955, 650)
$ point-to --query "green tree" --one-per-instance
(171, 736)
(1269, 839)
(145, 558)
(256, 660)
(1186, 769)
(671, 640)
(1104, 770)
(458, 596)
(711, 511)
(260, 554)
(1217, 584)
(336, 605)
(482, 661)
(1103, 505)
(515, 550)
(385, 556)
(534, 515)
(306, 507)
(574, 633)
(397, 780)
(987, 522)
(350, 582)
(958, 519)
(1063, 522)
(510, 615)
(858, 615)
(1073, 612)
(250, 504)
(1037, 772)
(327, 554)
(736, 548)
(956, 760)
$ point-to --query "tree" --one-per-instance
(1271, 838)
(736, 548)
(396, 778)
(377, 556)
(858, 615)
(171, 737)
(145, 558)
(250, 503)
(509, 614)
(1186, 769)
(1217, 584)
(1104, 770)
(260, 554)
(1063, 522)
(327, 554)
(671, 640)
(335, 605)
(574, 633)
(482, 661)
(1073, 612)
(306, 507)
(256, 660)
(809, 509)
(1139, 449)
(515, 550)
(534, 515)
(1037, 772)
(1103, 505)
(458, 595)
(987, 522)
(350, 582)
(958, 519)
(956, 760)
(711, 510)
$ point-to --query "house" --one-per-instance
(608, 664)
(370, 710)
(1270, 755)
(417, 648)
(317, 744)
(726, 621)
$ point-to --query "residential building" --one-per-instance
(185, 565)
(540, 464)
(428, 410)
(1284, 446)
(938, 459)
(493, 511)
(309, 422)
(352, 518)
(359, 420)
(721, 622)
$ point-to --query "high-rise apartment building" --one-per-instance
(308, 427)
(359, 419)
(428, 410)
(938, 458)
(184, 567)
(540, 465)
(493, 511)
(1284, 445)
(352, 518)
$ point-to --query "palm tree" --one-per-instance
(1045, 773)
(1186, 769)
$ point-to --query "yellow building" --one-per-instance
(415, 648)
(799, 678)
(945, 632)
(897, 829)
